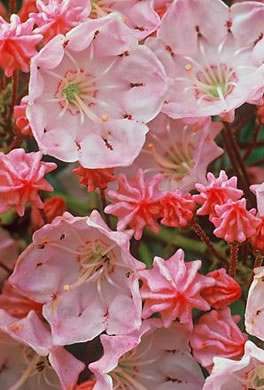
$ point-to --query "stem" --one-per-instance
(254, 140)
(12, 6)
(6, 268)
(234, 248)
(17, 141)
(258, 261)
(43, 216)
(203, 236)
(103, 205)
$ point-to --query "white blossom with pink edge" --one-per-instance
(91, 93)
(212, 54)
(150, 358)
(179, 151)
(84, 275)
(246, 374)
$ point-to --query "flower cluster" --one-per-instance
(131, 195)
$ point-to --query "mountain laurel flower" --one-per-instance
(213, 55)
(245, 374)
(177, 209)
(17, 44)
(254, 314)
(217, 191)
(21, 178)
(179, 151)
(59, 16)
(216, 334)
(91, 93)
(257, 240)
(136, 203)
(95, 178)
(21, 120)
(173, 288)
(234, 223)
(225, 291)
(152, 357)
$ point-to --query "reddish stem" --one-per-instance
(234, 249)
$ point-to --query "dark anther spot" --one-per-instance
(229, 25)
(41, 246)
(126, 53)
(45, 131)
(197, 29)
(39, 265)
(133, 85)
(140, 28)
(78, 145)
(107, 144)
(128, 116)
(258, 312)
(259, 38)
(38, 67)
(128, 274)
(62, 236)
(95, 34)
(65, 44)
(79, 315)
(169, 49)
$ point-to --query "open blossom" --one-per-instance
(136, 203)
(150, 358)
(59, 16)
(173, 288)
(17, 44)
(91, 93)
(217, 191)
(225, 291)
(245, 374)
(177, 209)
(213, 54)
(85, 277)
(179, 151)
(40, 351)
(254, 314)
(234, 223)
(217, 335)
(21, 179)
(138, 15)
(95, 178)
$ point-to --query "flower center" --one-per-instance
(71, 91)
(212, 83)
(255, 379)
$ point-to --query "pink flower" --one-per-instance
(138, 15)
(177, 209)
(254, 314)
(217, 335)
(84, 275)
(95, 178)
(21, 119)
(91, 93)
(172, 288)
(39, 346)
(16, 304)
(88, 385)
(59, 16)
(216, 65)
(21, 178)
(53, 207)
(248, 373)
(179, 151)
(9, 250)
(233, 222)
(28, 6)
(150, 358)
(217, 191)
(136, 203)
(225, 291)
(17, 44)
(257, 240)
(258, 190)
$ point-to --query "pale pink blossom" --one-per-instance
(150, 358)
(9, 250)
(258, 190)
(59, 16)
(84, 275)
(217, 191)
(95, 178)
(173, 288)
(246, 374)
(136, 203)
(179, 151)
(177, 209)
(225, 291)
(254, 314)
(234, 223)
(138, 15)
(91, 93)
(213, 55)
(21, 179)
(39, 350)
(17, 44)
(217, 335)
